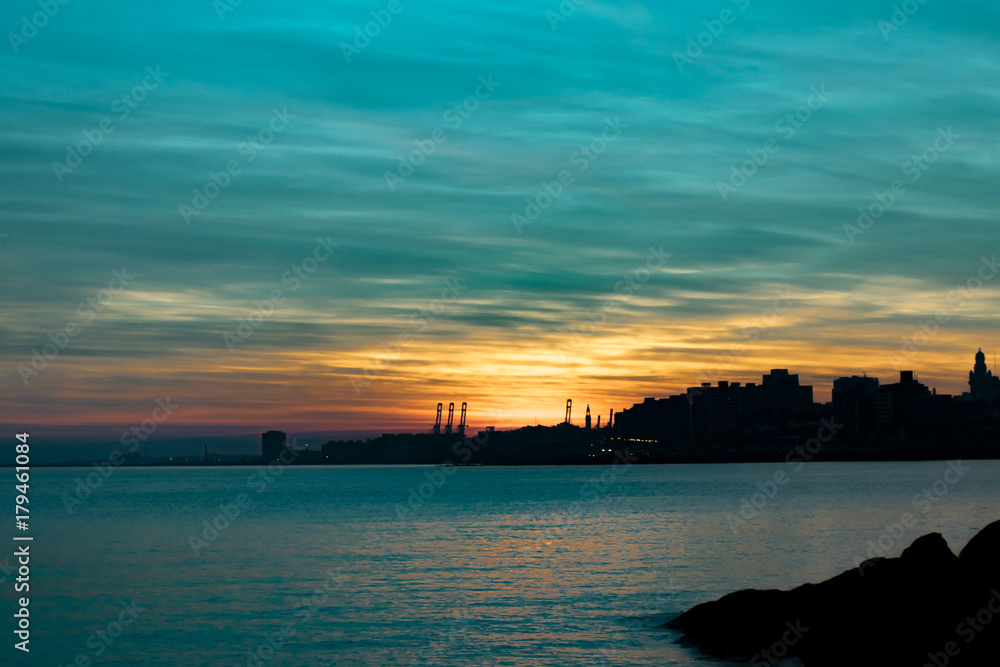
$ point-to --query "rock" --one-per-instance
(920, 609)
(981, 556)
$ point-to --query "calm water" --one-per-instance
(500, 566)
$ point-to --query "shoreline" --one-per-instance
(874, 456)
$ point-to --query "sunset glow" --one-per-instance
(318, 239)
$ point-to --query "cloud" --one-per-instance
(324, 174)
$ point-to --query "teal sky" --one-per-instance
(870, 94)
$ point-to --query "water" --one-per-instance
(498, 566)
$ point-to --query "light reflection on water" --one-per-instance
(500, 566)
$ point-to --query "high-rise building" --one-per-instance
(855, 403)
(271, 445)
(783, 397)
(726, 410)
(910, 410)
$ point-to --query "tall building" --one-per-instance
(783, 397)
(271, 445)
(854, 404)
(728, 410)
(714, 410)
(982, 383)
(909, 410)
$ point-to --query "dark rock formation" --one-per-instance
(926, 608)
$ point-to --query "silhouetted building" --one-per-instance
(982, 383)
(783, 398)
(664, 421)
(910, 411)
(729, 410)
(854, 404)
(714, 410)
(728, 421)
(271, 445)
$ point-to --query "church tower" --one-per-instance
(982, 382)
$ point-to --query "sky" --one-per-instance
(331, 216)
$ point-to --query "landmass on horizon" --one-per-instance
(726, 422)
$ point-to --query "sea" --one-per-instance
(426, 565)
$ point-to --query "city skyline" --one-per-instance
(523, 332)
(382, 207)
(979, 382)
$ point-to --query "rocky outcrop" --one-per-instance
(928, 607)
